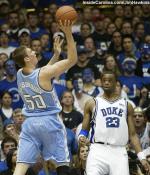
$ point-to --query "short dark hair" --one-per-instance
(128, 36)
(109, 72)
(18, 55)
(86, 23)
(8, 139)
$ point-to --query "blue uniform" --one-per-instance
(42, 132)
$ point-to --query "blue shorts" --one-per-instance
(46, 136)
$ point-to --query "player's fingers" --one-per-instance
(56, 39)
(60, 23)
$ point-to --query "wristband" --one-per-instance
(141, 156)
(84, 133)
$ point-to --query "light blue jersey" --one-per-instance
(36, 100)
(43, 132)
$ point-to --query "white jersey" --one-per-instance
(109, 123)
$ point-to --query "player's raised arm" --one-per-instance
(57, 50)
(135, 140)
(60, 67)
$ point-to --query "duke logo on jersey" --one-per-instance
(111, 116)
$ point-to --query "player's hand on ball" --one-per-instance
(57, 45)
(66, 26)
(146, 166)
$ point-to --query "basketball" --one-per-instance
(66, 13)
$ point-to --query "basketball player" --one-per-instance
(42, 132)
(108, 115)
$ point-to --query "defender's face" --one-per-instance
(109, 83)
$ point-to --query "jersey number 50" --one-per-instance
(34, 102)
(112, 122)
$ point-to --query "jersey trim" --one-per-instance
(109, 100)
(40, 86)
(93, 123)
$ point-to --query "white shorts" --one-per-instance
(106, 159)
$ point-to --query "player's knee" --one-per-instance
(63, 170)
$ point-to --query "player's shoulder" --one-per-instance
(90, 103)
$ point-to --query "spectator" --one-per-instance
(145, 10)
(87, 14)
(85, 31)
(143, 64)
(54, 28)
(119, 11)
(144, 98)
(126, 28)
(137, 11)
(128, 50)
(80, 98)
(135, 20)
(95, 12)
(24, 37)
(99, 34)
(142, 127)
(111, 65)
(9, 129)
(81, 160)
(7, 144)
(35, 31)
(147, 39)
(36, 46)
(6, 110)
(93, 55)
(4, 44)
(107, 21)
(18, 119)
(11, 163)
(70, 116)
(4, 10)
(118, 22)
(4, 27)
(52, 9)
(128, 12)
(13, 22)
(82, 63)
(115, 47)
(132, 84)
(88, 83)
(139, 33)
(10, 84)
(3, 58)
(110, 30)
(45, 44)
(47, 20)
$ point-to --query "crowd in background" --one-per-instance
(115, 38)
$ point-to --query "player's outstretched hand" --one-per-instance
(66, 26)
(146, 166)
(57, 45)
